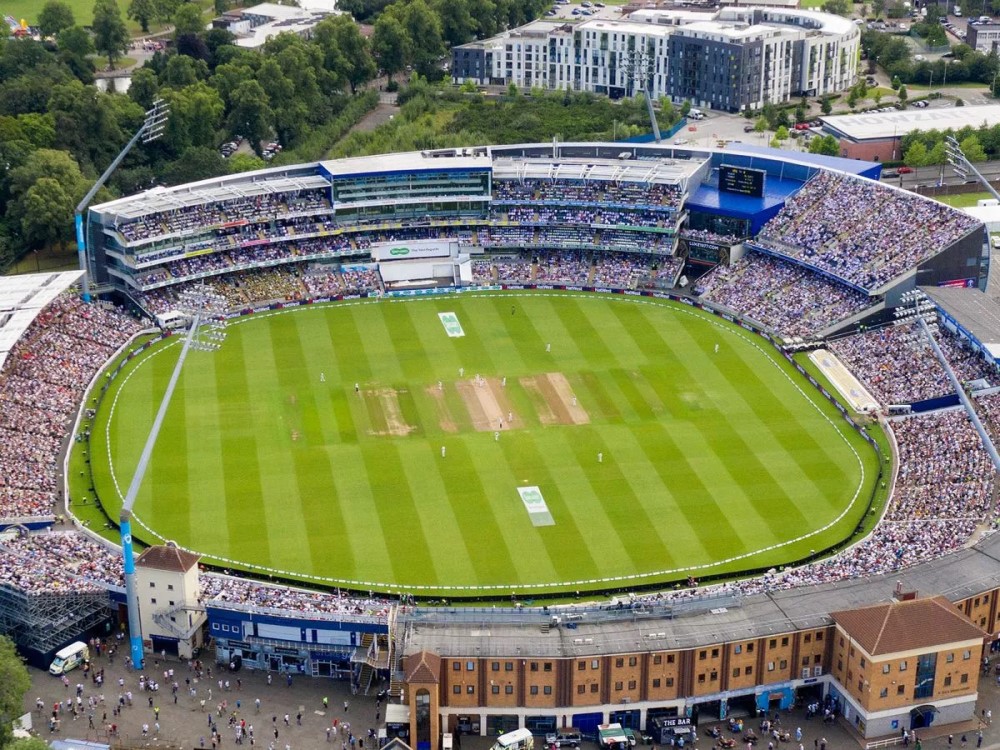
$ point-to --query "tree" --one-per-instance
(916, 155)
(827, 145)
(142, 12)
(144, 88)
(183, 71)
(879, 7)
(54, 17)
(221, 6)
(826, 105)
(390, 44)
(250, 115)
(196, 163)
(244, 163)
(837, 7)
(14, 683)
(28, 743)
(344, 46)
(457, 23)
(972, 149)
(76, 41)
(188, 20)
(424, 27)
(903, 94)
(111, 37)
(48, 213)
(781, 134)
(937, 155)
(800, 112)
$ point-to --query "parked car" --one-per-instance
(905, 170)
(748, 128)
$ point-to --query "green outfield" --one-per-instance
(489, 442)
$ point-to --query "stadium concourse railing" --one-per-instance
(475, 594)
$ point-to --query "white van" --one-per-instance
(696, 114)
(519, 739)
(565, 737)
(69, 658)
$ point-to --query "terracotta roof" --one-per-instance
(168, 557)
(907, 625)
(423, 666)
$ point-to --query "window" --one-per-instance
(773, 643)
(747, 671)
(883, 693)
(783, 664)
(619, 662)
(949, 658)
(508, 689)
(701, 679)
(669, 682)
(593, 688)
(495, 666)
(784, 641)
(819, 636)
(152, 585)
(508, 666)
(470, 689)
(770, 666)
(885, 669)
(966, 655)
(170, 603)
(595, 664)
(534, 666)
(749, 648)
(456, 666)
(656, 682)
(657, 659)
(738, 648)
(736, 672)
(808, 638)
(152, 601)
(632, 661)
(581, 689)
(947, 680)
(547, 666)
(902, 666)
(714, 676)
(547, 690)
(900, 689)
(862, 662)
(581, 665)
(702, 654)
(534, 690)
(631, 684)
(470, 666)
(456, 689)
(495, 689)
(715, 653)
(670, 658)
(964, 679)
(805, 661)
(619, 686)
(170, 587)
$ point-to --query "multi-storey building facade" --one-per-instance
(732, 59)
(983, 36)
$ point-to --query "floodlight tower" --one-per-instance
(642, 62)
(916, 306)
(207, 312)
(151, 129)
(961, 165)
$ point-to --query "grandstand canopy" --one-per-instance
(162, 199)
(975, 311)
(414, 161)
(22, 298)
(668, 172)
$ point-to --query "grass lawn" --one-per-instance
(962, 200)
(654, 455)
(83, 12)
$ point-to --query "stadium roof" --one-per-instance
(411, 161)
(881, 125)
(840, 164)
(977, 312)
(161, 199)
(668, 171)
(22, 298)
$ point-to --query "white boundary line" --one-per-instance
(669, 305)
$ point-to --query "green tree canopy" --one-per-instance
(76, 40)
(188, 20)
(250, 114)
(14, 683)
(143, 12)
(827, 145)
(390, 44)
(48, 213)
(916, 155)
(111, 37)
(55, 16)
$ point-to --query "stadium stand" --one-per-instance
(860, 230)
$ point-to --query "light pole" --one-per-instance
(207, 311)
(151, 129)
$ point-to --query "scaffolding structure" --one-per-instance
(43, 622)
